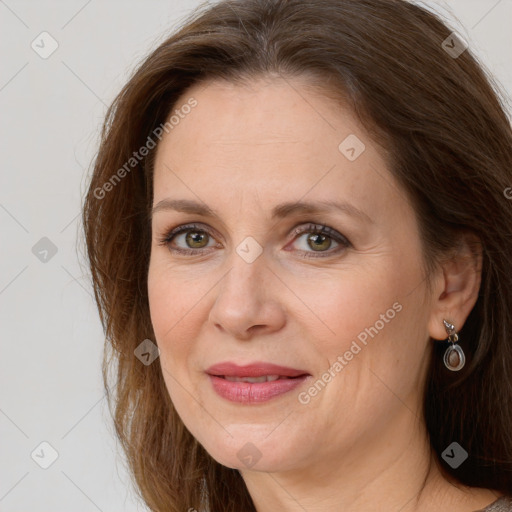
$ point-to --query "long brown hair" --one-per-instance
(444, 123)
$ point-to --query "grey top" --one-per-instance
(502, 504)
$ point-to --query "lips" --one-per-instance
(254, 383)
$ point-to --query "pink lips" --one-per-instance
(254, 392)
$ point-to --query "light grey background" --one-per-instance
(51, 113)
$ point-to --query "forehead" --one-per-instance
(271, 137)
(264, 112)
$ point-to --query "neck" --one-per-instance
(389, 472)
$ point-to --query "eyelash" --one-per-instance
(316, 229)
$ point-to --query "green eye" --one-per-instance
(196, 239)
(319, 240)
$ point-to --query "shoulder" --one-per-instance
(503, 504)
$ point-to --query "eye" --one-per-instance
(194, 239)
(320, 238)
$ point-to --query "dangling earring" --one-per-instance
(454, 358)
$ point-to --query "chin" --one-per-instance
(246, 451)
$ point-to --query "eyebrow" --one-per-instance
(278, 212)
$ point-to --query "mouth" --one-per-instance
(255, 382)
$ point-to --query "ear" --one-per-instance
(456, 286)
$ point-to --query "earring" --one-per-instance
(454, 358)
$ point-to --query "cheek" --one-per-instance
(168, 311)
(384, 347)
(171, 296)
(174, 313)
(345, 304)
(368, 317)
(171, 305)
(161, 305)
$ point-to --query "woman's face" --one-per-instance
(252, 282)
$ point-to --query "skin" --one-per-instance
(361, 441)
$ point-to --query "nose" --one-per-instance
(248, 300)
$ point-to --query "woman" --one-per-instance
(298, 229)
